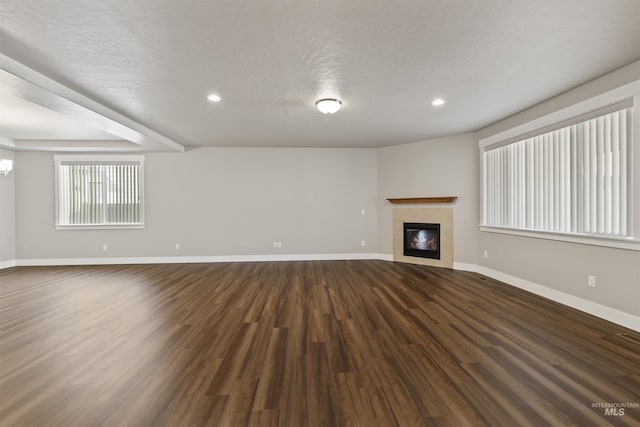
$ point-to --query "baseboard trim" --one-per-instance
(197, 259)
(607, 313)
(8, 264)
(463, 266)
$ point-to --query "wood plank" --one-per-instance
(416, 200)
(313, 343)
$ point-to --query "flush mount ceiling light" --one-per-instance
(328, 105)
(214, 98)
(437, 102)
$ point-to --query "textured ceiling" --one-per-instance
(154, 61)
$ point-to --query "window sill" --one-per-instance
(629, 244)
(101, 227)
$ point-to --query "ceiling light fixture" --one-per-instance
(214, 98)
(328, 105)
(438, 102)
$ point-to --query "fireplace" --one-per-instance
(421, 240)
(407, 222)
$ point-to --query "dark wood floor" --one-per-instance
(323, 343)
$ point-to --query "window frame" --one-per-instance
(92, 160)
(629, 95)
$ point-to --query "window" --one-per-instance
(576, 179)
(99, 191)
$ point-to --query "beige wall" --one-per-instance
(7, 213)
(219, 201)
(565, 266)
(438, 167)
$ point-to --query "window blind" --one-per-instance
(571, 180)
(98, 193)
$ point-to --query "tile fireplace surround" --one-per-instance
(442, 216)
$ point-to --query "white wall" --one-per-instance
(218, 202)
(439, 167)
(564, 266)
(7, 213)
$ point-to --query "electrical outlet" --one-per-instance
(363, 212)
(591, 281)
(277, 244)
(363, 243)
(486, 254)
(177, 245)
(105, 247)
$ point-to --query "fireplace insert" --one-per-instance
(422, 240)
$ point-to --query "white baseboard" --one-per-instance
(616, 316)
(7, 264)
(463, 266)
(196, 259)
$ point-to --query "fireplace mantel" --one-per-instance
(406, 200)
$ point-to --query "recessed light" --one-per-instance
(437, 102)
(214, 98)
(328, 105)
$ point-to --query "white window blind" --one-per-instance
(99, 192)
(576, 179)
